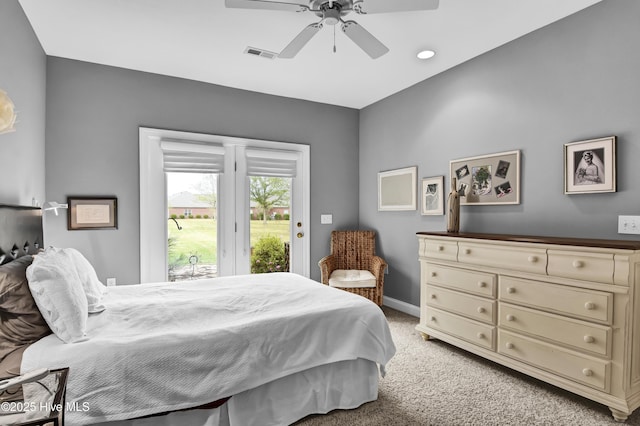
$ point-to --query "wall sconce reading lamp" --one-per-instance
(7, 113)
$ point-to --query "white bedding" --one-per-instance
(341, 385)
(168, 346)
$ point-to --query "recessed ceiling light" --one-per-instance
(426, 54)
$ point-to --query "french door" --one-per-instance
(237, 164)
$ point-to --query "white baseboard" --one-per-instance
(401, 306)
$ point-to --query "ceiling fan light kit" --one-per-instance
(331, 13)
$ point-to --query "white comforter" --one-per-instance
(167, 346)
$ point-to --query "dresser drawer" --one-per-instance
(474, 307)
(525, 259)
(575, 366)
(576, 302)
(580, 335)
(586, 266)
(463, 328)
(438, 249)
(479, 283)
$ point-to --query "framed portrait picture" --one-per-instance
(397, 189)
(92, 213)
(590, 166)
(488, 179)
(432, 195)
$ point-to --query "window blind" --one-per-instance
(192, 157)
(271, 163)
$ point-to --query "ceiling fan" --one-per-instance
(331, 13)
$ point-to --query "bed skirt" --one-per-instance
(341, 385)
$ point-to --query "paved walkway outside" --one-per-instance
(190, 272)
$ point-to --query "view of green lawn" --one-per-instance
(198, 237)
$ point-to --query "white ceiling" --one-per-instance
(202, 40)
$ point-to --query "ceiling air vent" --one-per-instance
(260, 52)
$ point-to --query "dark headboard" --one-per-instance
(20, 231)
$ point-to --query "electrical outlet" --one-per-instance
(628, 224)
(111, 282)
(326, 219)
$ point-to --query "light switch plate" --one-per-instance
(326, 219)
(628, 224)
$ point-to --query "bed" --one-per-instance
(266, 349)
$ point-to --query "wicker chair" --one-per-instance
(353, 252)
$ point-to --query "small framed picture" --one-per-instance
(432, 196)
(92, 213)
(462, 172)
(590, 166)
(397, 189)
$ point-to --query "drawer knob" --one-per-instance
(433, 296)
(587, 372)
(511, 290)
(589, 339)
(433, 274)
(480, 310)
(578, 264)
(482, 284)
(433, 319)
(509, 345)
(440, 248)
(511, 318)
(533, 259)
(467, 251)
(589, 306)
(480, 335)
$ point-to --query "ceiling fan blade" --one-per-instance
(300, 41)
(363, 38)
(266, 5)
(388, 6)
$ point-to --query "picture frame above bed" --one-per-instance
(86, 213)
(492, 179)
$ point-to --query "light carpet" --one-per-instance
(433, 383)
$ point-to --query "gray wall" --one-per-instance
(573, 80)
(23, 77)
(93, 115)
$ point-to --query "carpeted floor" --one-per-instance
(433, 383)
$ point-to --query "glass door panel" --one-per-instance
(192, 226)
(269, 223)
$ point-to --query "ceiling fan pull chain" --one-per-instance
(334, 39)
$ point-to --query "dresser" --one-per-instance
(563, 310)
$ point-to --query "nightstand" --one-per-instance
(42, 402)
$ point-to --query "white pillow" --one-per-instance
(93, 288)
(56, 289)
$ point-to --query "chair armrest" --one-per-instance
(378, 265)
(327, 265)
